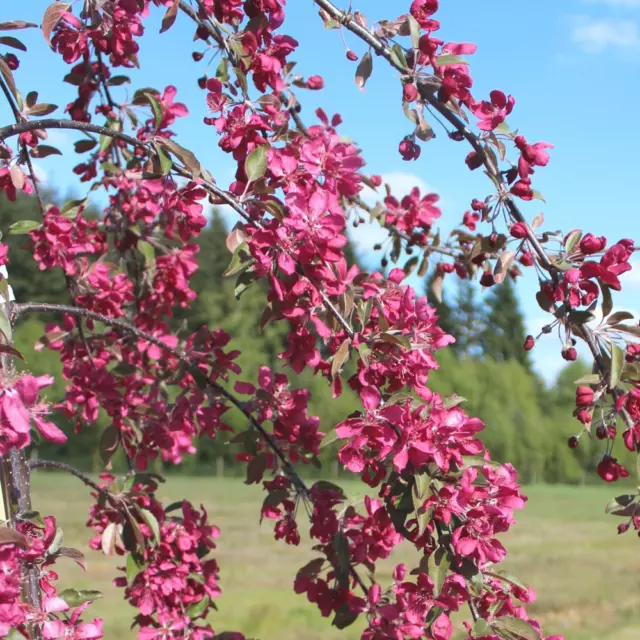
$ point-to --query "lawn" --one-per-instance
(587, 577)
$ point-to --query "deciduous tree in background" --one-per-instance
(127, 275)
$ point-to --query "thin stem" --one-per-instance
(61, 466)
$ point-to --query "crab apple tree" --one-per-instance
(430, 481)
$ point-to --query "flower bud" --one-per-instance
(590, 244)
(409, 92)
(529, 343)
(573, 442)
(584, 396)
(352, 55)
(570, 354)
(315, 83)
(518, 230)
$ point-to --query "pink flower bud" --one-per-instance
(315, 83)
(570, 354)
(584, 416)
(584, 396)
(518, 230)
(409, 92)
(573, 442)
(352, 55)
(409, 150)
(529, 343)
(590, 244)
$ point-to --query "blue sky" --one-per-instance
(572, 66)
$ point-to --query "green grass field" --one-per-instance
(587, 577)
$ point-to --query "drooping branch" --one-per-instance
(428, 94)
(298, 482)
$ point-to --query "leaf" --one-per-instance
(243, 282)
(619, 506)
(341, 547)
(448, 59)
(23, 226)
(135, 565)
(400, 340)
(341, 356)
(438, 567)
(42, 109)
(240, 261)
(617, 362)
(156, 107)
(10, 41)
(538, 221)
(255, 165)
(363, 72)
(198, 608)
(75, 597)
(149, 253)
(108, 540)
(74, 554)
(52, 16)
(572, 241)
(414, 29)
(184, 155)
(344, 617)
(56, 544)
(453, 401)
(627, 328)
(169, 17)
(503, 264)
(84, 145)
(16, 24)
(607, 300)
(105, 139)
(8, 76)
(7, 348)
(5, 326)
(436, 286)
(325, 485)
(164, 160)
(512, 628)
(591, 378)
(45, 150)
(619, 316)
(481, 628)
(398, 58)
(109, 441)
(11, 536)
(116, 81)
(151, 520)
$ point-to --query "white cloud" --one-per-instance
(616, 3)
(631, 279)
(595, 35)
(41, 174)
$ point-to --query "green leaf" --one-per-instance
(147, 250)
(243, 282)
(572, 241)
(622, 506)
(165, 160)
(438, 565)
(150, 519)
(240, 261)
(512, 628)
(341, 547)
(617, 363)
(325, 485)
(448, 59)
(70, 207)
(255, 165)
(619, 316)
(363, 72)
(156, 107)
(591, 378)
(184, 155)
(481, 628)
(135, 565)
(453, 401)
(22, 227)
(397, 57)
(106, 140)
(5, 326)
(414, 29)
(116, 81)
(75, 597)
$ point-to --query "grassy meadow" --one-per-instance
(587, 577)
